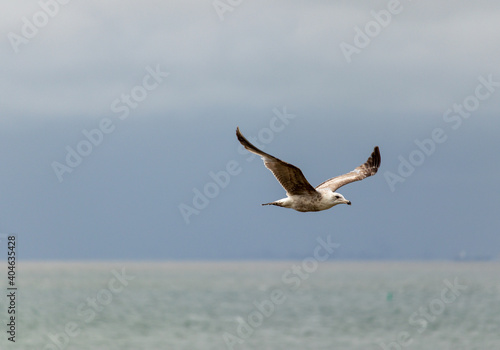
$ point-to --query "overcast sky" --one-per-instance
(118, 118)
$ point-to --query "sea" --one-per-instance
(286, 305)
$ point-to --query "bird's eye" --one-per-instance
(337, 197)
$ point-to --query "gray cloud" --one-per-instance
(234, 72)
(90, 53)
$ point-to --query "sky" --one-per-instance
(118, 118)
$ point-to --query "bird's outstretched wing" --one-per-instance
(288, 175)
(363, 171)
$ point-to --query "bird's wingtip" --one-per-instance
(378, 156)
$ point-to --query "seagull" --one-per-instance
(301, 196)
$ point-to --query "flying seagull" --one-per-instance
(301, 196)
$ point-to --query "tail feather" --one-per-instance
(273, 203)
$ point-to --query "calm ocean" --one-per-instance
(254, 305)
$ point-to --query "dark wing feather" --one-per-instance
(288, 175)
(363, 171)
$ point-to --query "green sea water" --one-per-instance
(254, 305)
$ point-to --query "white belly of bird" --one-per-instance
(307, 203)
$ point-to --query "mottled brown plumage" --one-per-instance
(301, 195)
(369, 168)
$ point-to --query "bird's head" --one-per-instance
(337, 198)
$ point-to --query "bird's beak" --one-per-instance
(348, 203)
